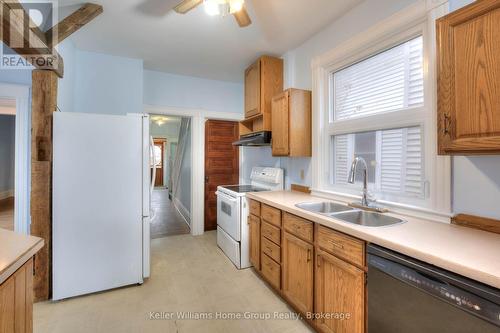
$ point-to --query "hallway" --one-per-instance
(167, 220)
(7, 213)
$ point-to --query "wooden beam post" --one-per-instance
(73, 23)
(44, 101)
(34, 49)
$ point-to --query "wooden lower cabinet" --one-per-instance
(339, 290)
(298, 272)
(254, 223)
(16, 301)
(319, 271)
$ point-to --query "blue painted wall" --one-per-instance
(16, 76)
(163, 89)
(7, 152)
(100, 83)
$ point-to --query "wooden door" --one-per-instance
(160, 146)
(339, 289)
(221, 164)
(254, 223)
(469, 80)
(280, 124)
(252, 90)
(298, 270)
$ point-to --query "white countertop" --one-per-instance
(469, 252)
(15, 251)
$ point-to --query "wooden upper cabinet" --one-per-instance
(298, 272)
(339, 288)
(469, 80)
(263, 80)
(252, 90)
(291, 123)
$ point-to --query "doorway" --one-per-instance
(221, 163)
(16, 105)
(7, 162)
(159, 151)
(171, 209)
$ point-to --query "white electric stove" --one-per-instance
(232, 213)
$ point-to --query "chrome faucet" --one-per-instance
(366, 201)
(352, 176)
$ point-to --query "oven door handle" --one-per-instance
(225, 197)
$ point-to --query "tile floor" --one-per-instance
(167, 220)
(188, 274)
(7, 214)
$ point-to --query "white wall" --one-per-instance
(360, 18)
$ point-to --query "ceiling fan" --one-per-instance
(218, 7)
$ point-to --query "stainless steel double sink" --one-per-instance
(349, 214)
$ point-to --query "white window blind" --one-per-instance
(389, 81)
(343, 151)
(398, 164)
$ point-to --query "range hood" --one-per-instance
(257, 139)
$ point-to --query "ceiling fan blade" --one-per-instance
(242, 17)
(186, 5)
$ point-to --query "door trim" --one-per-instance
(22, 94)
(198, 118)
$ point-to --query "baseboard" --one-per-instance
(6, 194)
(182, 210)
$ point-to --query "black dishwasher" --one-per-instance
(409, 296)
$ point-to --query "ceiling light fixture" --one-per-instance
(222, 7)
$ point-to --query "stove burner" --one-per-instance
(244, 188)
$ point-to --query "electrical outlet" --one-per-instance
(302, 174)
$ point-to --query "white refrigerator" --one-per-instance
(101, 202)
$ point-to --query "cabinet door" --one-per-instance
(469, 80)
(339, 290)
(16, 301)
(280, 125)
(252, 90)
(254, 223)
(298, 270)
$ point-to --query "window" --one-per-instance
(374, 98)
(394, 159)
(389, 81)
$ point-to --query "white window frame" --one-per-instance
(418, 19)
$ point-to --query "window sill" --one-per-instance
(398, 208)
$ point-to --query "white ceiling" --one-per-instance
(196, 44)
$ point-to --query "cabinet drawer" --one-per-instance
(271, 249)
(271, 215)
(254, 207)
(298, 227)
(271, 232)
(343, 246)
(271, 271)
